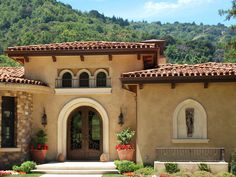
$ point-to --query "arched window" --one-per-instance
(101, 79)
(67, 80)
(84, 79)
(190, 121)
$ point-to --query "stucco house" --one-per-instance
(106, 86)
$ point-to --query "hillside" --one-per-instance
(24, 22)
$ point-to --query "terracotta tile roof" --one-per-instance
(87, 45)
(184, 70)
(16, 75)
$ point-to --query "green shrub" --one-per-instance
(224, 174)
(182, 174)
(233, 163)
(25, 167)
(125, 136)
(202, 174)
(171, 167)
(146, 171)
(204, 167)
(40, 138)
(16, 168)
(233, 167)
(126, 166)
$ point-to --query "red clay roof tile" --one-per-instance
(86, 45)
(184, 70)
(16, 75)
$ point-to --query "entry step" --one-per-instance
(77, 168)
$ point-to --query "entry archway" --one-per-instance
(64, 115)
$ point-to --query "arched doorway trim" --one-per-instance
(63, 117)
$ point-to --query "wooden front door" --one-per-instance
(84, 136)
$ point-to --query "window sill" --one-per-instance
(73, 91)
(10, 149)
(190, 141)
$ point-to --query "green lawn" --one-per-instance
(27, 175)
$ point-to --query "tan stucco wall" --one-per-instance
(156, 105)
(44, 69)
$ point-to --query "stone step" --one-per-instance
(76, 171)
(71, 175)
(77, 168)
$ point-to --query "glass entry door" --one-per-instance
(84, 136)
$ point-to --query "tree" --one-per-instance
(230, 54)
(5, 61)
(230, 13)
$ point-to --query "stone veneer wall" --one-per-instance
(11, 156)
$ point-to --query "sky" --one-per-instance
(205, 11)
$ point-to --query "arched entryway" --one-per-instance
(65, 116)
(84, 134)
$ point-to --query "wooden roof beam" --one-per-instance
(82, 57)
(110, 57)
(54, 58)
(26, 58)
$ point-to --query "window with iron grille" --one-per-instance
(8, 122)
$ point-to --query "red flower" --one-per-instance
(39, 146)
(45, 147)
(123, 147)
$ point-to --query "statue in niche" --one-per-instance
(189, 115)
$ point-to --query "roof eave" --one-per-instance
(17, 53)
(178, 79)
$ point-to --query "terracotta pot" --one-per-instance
(38, 156)
(126, 154)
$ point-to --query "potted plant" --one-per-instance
(39, 148)
(124, 148)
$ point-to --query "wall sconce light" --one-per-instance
(44, 118)
(121, 118)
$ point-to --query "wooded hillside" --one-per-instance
(24, 22)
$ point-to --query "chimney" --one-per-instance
(161, 59)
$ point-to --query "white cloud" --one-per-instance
(153, 7)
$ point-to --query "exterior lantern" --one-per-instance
(121, 118)
(44, 118)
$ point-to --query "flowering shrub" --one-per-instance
(39, 147)
(125, 136)
(25, 167)
(39, 141)
(124, 147)
(165, 175)
(5, 173)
